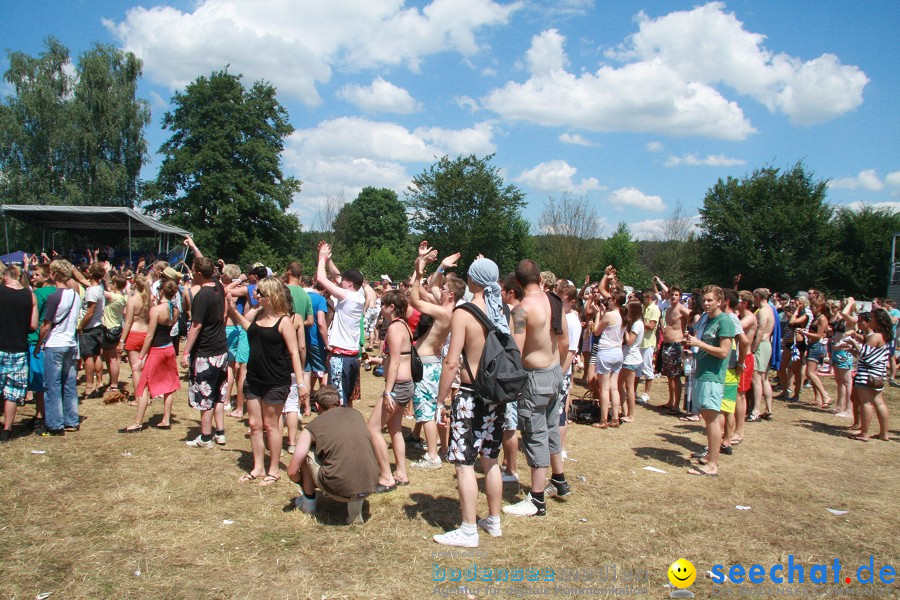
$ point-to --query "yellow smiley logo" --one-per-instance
(682, 573)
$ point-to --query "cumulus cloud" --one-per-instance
(380, 97)
(710, 160)
(635, 198)
(654, 146)
(353, 152)
(643, 96)
(893, 180)
(668, 78)
(557, 176)
(708, 45)
(655, 229)
(295, 46)
(866, 180)
(893, 207)
(575, 139)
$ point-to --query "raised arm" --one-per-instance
(322, 274)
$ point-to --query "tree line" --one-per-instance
(74, 134)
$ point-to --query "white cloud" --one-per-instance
(654, 147)
(668, 78)
(893, 179)
(575, 139)
(489, 72)
(867, 180)
(296, 45)
(890, 206)
(643, 96)
(708, 45)
(557, 176)
(380, 97)
(633, 197)
(466, 103)
(157, 101)
(351, 152)
(655, 229)
(711, 160)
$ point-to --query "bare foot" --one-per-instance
(860, 437)
(844, 415)
(236, 415)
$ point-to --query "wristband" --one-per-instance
(440, 269)
(301, 384)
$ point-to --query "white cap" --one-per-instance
(383, 277)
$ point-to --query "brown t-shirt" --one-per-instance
(344, 449)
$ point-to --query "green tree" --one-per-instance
(221, 174)
(462, 205)
(772, 227)
(72, 139)
(860, 263)
(620, 251)
(376, 218)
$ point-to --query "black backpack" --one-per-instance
(501, 378)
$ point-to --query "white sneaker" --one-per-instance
(492, 529)
(565, 455)
(219, 439)
(510, 478)
(427, 463)
(643, 399)
(525, 508)
(291, 449)
(199, 443)
(354, 512)
(306, 505)
(457, 538)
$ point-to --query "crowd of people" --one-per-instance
(284, 344)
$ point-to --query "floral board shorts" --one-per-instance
(474, 428)
(425, 401)
(209, 381)
(672, 361)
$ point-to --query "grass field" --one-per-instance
(105, 515)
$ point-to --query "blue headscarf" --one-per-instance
(484, 272)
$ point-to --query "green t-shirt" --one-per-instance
(710, 368)
(41, 294)
(302, 303)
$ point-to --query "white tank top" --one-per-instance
(613, 334)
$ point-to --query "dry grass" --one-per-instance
(104, 515)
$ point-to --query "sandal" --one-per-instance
(269, 480)
(601, 425)
(132, 429)
(249, 477)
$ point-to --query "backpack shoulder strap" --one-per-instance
(478, 314)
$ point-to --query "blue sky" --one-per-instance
(637, 106)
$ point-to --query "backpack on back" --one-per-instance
(501, 378)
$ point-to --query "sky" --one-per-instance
(639, 107)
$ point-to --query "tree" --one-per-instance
(568, 245)
(221, 174)
(375, 218)
(73, 138)
(673, 253)
(620, 251)
(772, 227)
(861, 262)
(462, 205)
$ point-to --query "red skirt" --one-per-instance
(160, 372)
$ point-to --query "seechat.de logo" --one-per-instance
(682, 575)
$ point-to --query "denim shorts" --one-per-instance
(816, 352)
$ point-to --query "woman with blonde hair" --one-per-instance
(608, 358)
(398, 392)
(632, 359)
(134, 331)
(274, 354)
(158, 365)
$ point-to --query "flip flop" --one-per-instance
(859, 438)
(402, 483)
(690, 419)
(164, 426)
(269, 480)
(248, 477)
(600, 425)
(383, 489)
(701, 472)
(132, 429)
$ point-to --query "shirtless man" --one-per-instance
(762, 352)
(426, 400)
(474, 419)
(539, 405)
(512, 294)
(676, 322)
(746, 369)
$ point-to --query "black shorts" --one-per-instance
(90, 342)
(270, 394)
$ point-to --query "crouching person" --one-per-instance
(334, 454)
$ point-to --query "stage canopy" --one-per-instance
(99, 221)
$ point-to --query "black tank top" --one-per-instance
(163, 334)
(16, 319)
(269, 363)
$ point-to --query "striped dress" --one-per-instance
(873, 361)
